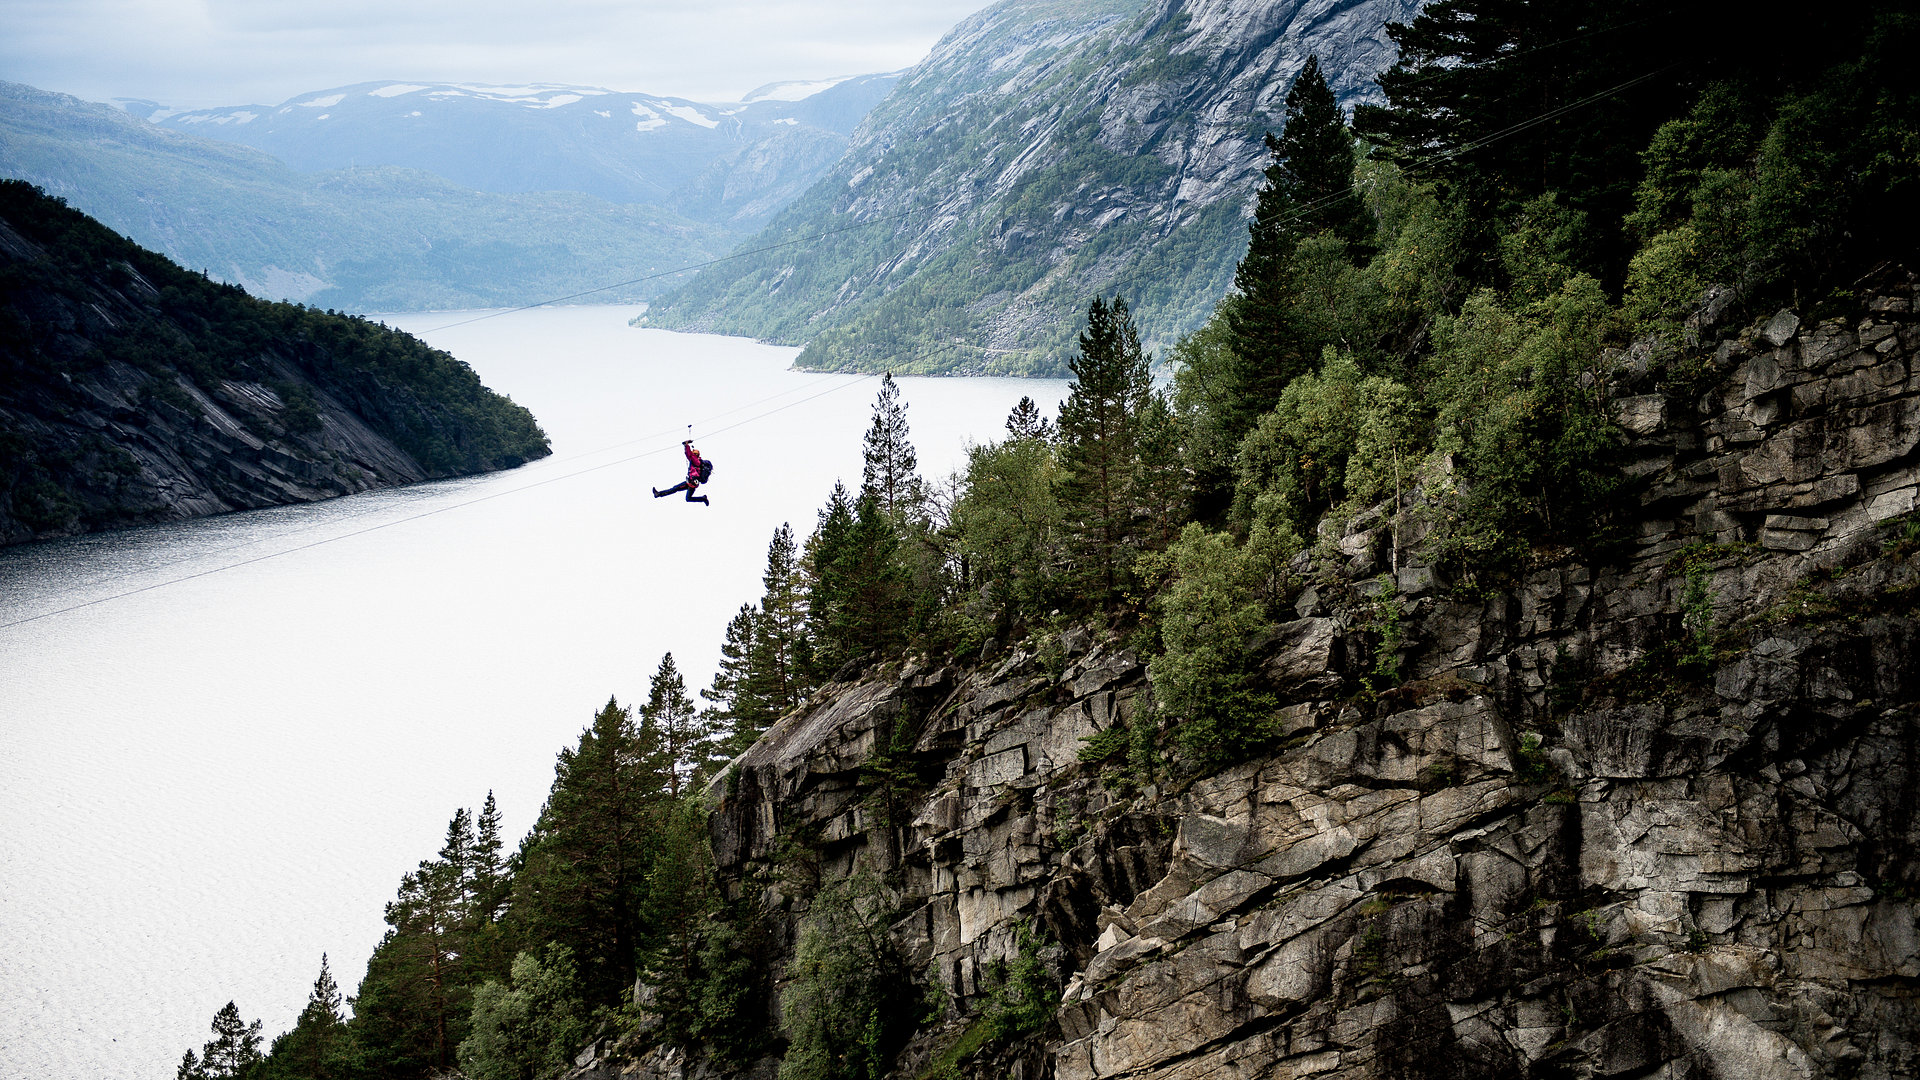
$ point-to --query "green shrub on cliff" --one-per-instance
(527, 1029)
(850, 1003)
(1204, 681)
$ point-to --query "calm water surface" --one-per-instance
(207, 784)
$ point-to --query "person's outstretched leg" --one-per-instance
(681, 486)
(701, 499)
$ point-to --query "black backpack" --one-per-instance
(706, 469)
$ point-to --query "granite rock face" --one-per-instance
(1555, 851)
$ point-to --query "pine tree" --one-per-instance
(777, 682)
(317, 1047)
(233, 1051)
(826, 564)
(583, 868)
(456, 852)
(1314, 154)
(1308, 189)
(759, 678)
(876, 604)
(1162, 483)
(1097, 433)
(190, 1068)
(734, 703)
(684, 736)
(890, 461)
(491, 881)
(1026, 422)
(426, 941)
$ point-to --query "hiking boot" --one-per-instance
(656, 492)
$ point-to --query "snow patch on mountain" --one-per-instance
(522, 94)
(327, 102)
(690, 114)
(792, 91)
(396, 90)
(649, 119)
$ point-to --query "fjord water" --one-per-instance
(219, 768)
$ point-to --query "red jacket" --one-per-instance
(693, 463)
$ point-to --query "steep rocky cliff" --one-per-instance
(133, 391)
(1647, 816)
(1043, 153)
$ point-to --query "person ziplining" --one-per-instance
(698, 470)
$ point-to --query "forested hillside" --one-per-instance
(1494, 655)
(136, 391)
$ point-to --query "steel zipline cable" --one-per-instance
(435, 511)
(543, 462)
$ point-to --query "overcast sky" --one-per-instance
(200, 53)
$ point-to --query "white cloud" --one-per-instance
(207, 53)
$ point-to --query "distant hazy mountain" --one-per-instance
(363, 239)
(731, 163)
(1046, 151)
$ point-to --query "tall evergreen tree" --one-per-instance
(876, 601)
(1308, 189)
(456, 852)
(733, 702)
(760, 678)
(583, 868)
(1097, 446)
(684, 736)
(491, 880)
(234, 1050)
(1026, 421)
(411, 1010)
(317, 1047)
(490, 883)
(778, 683)
(826, 559)
(1314, 153)
(1162, 483)
(427, 944)
(890, 460)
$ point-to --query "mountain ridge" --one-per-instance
(1047, 153)
(621, 146)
